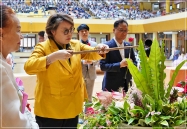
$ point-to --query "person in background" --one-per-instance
(148, 43)
(13, 113)
(88, 67)
(115, 65)
(41, 36)
(60, 89)
(176, 54)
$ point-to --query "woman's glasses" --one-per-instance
(67, 31)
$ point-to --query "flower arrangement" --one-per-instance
(104, 110)
(148, 103)
(157, 105)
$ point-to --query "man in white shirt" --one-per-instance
(115, 65)
(88, 67)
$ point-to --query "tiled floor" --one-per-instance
(97, 88)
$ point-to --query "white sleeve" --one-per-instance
(11, 117)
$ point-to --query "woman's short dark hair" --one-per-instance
(5, 16)
(55, 20)
(116, 23)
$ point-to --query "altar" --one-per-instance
(181, 76)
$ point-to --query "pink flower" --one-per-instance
(108, 122)
(90, 110)
(117, 95)
(105, 98)
(179, 84)
(104, 95)
(185, 88)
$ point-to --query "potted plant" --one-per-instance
(156, 106)
(149, 103)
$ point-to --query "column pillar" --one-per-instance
(174, 41)
(155, 36)
(27, 2)
(167, 6)
(141, 6)
(140, 38)
(173, 5)
(111, 35)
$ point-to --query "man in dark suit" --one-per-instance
(115, 65)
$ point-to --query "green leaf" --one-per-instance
(126, 106)
(113, 110)
(94, 99)
(165, 123)
(141, 122)
(181, 106)
(102, 121)
(171, 82)
(176, 112)
(137, 107)
(138, 112)
(88, 104)
(145, 69)
(148, 120)
(161, 70)
(165, 117)
(154, 60)
(138, 78)
(151, 101)
(159, 105)
(179, 122)
(154, 118)
(130, 120)
(97, 106)
(166, 109)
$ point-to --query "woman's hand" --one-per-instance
(87, 61)
(63, 54)
(58, 55)
(102, 48)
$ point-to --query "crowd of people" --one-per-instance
(68, 7)
(111, 10)
(86, 9)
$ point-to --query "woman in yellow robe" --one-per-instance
(60, 90)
